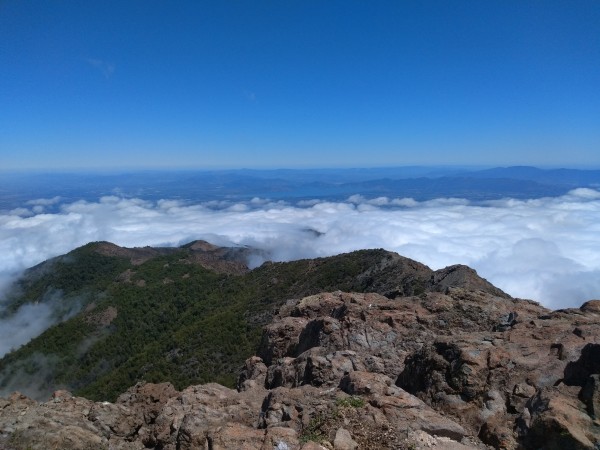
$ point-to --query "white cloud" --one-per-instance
(29, 321)
(545, 249)
(250, 96)
(44, 201)
(105, 67)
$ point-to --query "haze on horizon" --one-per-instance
(150, 84)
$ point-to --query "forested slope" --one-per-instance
(168, 315)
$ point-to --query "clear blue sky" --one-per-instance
(308, 83)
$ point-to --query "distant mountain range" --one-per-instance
(420, 183)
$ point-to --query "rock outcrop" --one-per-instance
(459, 367)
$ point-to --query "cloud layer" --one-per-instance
(28, 322)
(545, 249)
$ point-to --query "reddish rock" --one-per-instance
(463, 367)
(343, 440)
(557, 421)
(591, 306)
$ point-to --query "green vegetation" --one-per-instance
(322, 427)
(350, 402)
(315, 430)
(79, 274)
(175, 321)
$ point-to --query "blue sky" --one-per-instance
(161, 84)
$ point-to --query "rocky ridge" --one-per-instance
(156, 314)
(209, 256)
(453, 368)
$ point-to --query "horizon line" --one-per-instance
(114, 170)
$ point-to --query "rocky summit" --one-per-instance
(459, 368)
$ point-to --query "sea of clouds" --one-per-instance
(544, 249)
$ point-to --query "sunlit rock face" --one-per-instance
(459, 369)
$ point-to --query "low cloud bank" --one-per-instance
(545, 249)
(32, 319)
(28, 322)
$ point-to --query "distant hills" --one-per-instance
(564, 177)
(418, 182)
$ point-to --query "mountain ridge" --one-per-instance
(153, 304)
(367, 349)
